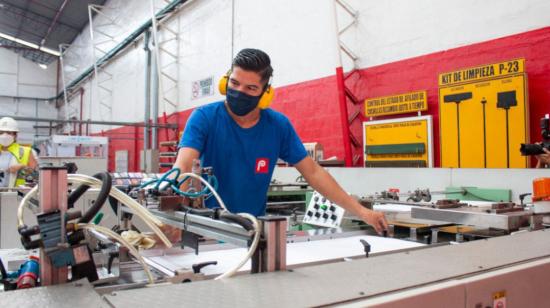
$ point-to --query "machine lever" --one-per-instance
(366, 245)
(112, 257)
(197, 267)
(522, 197)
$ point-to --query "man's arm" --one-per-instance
(32, 164)
(325, 184)
(32, 161)
(185, 158)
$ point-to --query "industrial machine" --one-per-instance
(90, 153)
(304, 241)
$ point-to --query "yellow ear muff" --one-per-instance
(222, 85)
(266, 98)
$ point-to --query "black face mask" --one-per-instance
(241, 103)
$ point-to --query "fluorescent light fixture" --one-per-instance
(50, 51)
(28, 44)
(43, 66)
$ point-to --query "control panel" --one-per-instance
(323, 212)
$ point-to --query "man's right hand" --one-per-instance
(544, 158)
(376, 219)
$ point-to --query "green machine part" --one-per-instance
(404, 148)
(478, 194)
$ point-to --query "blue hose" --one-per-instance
(163, 177)
(175, 185)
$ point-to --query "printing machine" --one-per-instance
(309, 264)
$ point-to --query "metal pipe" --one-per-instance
(36, 115)
(45, 99)
(157, 88)
(81, 111)
(136, 152)
(54, 21)
(155, 112)
(58, 71)
(94, 89)
(31, 119)
(147, 106)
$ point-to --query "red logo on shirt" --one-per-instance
(262, 165)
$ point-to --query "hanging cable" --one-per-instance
(151, 221)
(24, 201)
(106, 183)
(250, 252)
(255, 223)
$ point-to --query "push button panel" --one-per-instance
(323, 212)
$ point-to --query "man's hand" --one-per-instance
(15, 168)
(544, 158)
(324, 183)
(376, 219)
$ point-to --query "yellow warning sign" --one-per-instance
(395, 104)
(483, 72)
(405, 142)
(483, 123)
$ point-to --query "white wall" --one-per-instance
(24, 88)
(298, 35)
(393, 30)
(207, 41)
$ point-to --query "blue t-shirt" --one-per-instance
(243, 158)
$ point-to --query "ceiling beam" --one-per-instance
(54, 22)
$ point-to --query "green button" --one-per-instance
(324, 207)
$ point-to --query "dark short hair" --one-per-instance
(254, 60)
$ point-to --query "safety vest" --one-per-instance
(22, 154)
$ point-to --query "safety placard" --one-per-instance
(484, 121)
(202, 88)
(396, 104)
(405, 142)
(483, 72)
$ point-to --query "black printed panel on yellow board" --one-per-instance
(403, 142)
(483, 116)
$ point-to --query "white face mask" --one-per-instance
(6, 139)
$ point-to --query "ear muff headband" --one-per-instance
(265, 99)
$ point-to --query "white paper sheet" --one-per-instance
(297, 253)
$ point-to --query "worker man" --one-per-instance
(14, 158)
(242, 139)
(543, 160)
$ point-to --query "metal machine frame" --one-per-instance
(271, 252)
